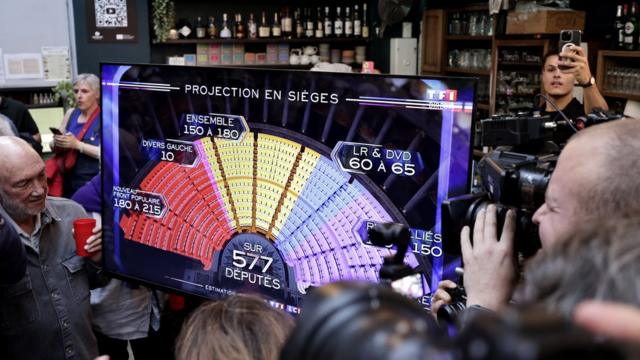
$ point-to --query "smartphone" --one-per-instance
(55, 131)
(568, 37)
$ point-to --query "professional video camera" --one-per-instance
(526, 129)
(509, 180)
(358, 321)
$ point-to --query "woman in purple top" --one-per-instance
(87, 92)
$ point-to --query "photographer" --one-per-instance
(560, 73)
(597, 176)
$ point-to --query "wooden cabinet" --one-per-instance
(618, 74)
(432, 34)
(451, 46)
(460, 50)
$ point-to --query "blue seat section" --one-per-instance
(318, 237)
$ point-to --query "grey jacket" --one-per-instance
(46, 315)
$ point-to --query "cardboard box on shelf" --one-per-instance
(214, 54)
(544, 21)
(202, 52)
(190, 59)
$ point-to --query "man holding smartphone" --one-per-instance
(560, 73)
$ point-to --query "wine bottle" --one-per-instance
(264, 31)
(212, 29)
(201, 30)
(239, 27)
(338, 24)
(252, 27)
(276, 28)
(319, 25)
(225, 32)
(328, 24)
(287, 24)
(365, 22)
(357, 24)
(348, 22)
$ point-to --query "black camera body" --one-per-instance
(525, 130)
(510, 181)
(447, 314)
(503, 130)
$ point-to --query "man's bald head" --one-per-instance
(597, 177)
(15, 153)
(23, 184)
(613, 152)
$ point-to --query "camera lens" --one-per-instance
(566, 36)
(449, 313)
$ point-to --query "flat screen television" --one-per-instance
(224, 180)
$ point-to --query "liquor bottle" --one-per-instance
(276, 28)
(631, 29)
(264, 31)
(348, 22)
(252, 27)
(212, 29)
(201, 30)
(225, 32)
(184, 29)
(357, 24)
(308, 27)
(365, 22)
(299, 25)
(239, 27)
(328, 24)
(338, 24)
(618, 35)
(319, 25)
(287, 24)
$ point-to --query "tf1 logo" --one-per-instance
(442, 95)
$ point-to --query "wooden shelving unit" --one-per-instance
(437, 43)
(608, 59)
(264, 41)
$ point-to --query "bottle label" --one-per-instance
(185, 31)
(628, 28)
(357, 27)
(327, 28)
(252, 30)
(348, 28)
(225, 33)
(365, 31)
(200, 33)
(264, 31)
(286, 25)
(337, 28)
(276, 31)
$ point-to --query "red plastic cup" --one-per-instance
(82, 230)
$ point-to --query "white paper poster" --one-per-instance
(23, 66)
(56, 63)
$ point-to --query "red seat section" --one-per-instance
(195, 223)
